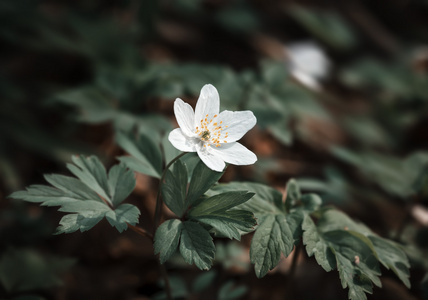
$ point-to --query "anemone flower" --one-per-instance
(213, 135)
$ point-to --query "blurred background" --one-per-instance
(340, 91)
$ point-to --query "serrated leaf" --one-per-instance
(167, 238)
(278, 229)
(145, 155)
(216, 212)
(230, 224)
(221, 202)
(45, 195)
(316, 245)
(91, 172)
(88, 208)
(90, 198)
(72, 186)
(392, 257)
(122, 216)
(73, 222)
(261, 204)
(121, 183)
(356, 283)
(272, 237)
(356, 249)
(174, 189)
(196, 245)
(203, 178)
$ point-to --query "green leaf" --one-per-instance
(73, 222)
(221, 202)
(357, 252)
(216, 212)
(174, 189)
(196, 245)
(91, 172)
(121, 183)
(230, 224)
(316, 245)
(293, 194)
(89, 198)
(357, 283)
(72, 186)
(272, 237)
(145, 155)
(167, 238)
(203, 178)
(261, 204)
(122, 216)
(279, 229)
(392, 257)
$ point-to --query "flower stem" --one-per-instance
(157, 221)
(158, 197)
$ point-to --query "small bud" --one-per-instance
(357, 259)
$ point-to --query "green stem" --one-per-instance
(157, 221)
(158, 197)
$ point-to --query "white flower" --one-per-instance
(211, 134)
(308, 63)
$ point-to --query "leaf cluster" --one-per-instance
(199, 215)
(89, 197)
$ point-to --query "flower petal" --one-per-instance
(181, 141)
(185, 116)
(238, 123)
(210, 159)
(208, 104)
(235, 154)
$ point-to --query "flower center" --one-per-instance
(206, 135)
(210, 132)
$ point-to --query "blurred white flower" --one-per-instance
(308, 63)
(211, 134)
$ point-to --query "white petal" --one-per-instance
(211, 160)
(181, 142)
(306, 79)
(185, 116)
(235, 154)
(238, 123)
(208, 104)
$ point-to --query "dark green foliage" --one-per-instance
(337, 241)
(217, 214)
(145, 154)
(278, 228)
(89, 198)
(24, 270)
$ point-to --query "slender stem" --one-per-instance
(158, 197)
(141, 231)
(157, 221)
